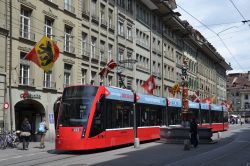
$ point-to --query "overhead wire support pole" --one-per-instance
(10, 69)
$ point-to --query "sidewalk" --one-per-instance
(33, 148)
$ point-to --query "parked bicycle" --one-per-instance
(9, 139)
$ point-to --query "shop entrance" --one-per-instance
(31, 109)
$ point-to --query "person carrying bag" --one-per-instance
(42, 131)
(25, 133)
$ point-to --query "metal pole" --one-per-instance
(10, 70)
(136, 140)
(135, 132)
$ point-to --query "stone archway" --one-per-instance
(31, 109)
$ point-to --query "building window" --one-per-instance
(120, 28)
(68, 39)
(110, 19)
(84, 43)
(121, 55)
(102, 14)
(121, 3)
(67, 74)
(93, 78)
(68, 6)
(24, 74)
(102, 51)
(110, 50)
(48, 27)
(130, 6)
(93, 7)
(84, 76)
(47, 80)
(129, 33)
(93, 47)
(25, 24)
(246, 97)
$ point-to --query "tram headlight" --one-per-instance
(83, 132)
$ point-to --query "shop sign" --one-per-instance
(27, 95)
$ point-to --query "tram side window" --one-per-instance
(204, 116)
(195, 114)
(149, 115)
(174, 116)
(216, 116)
(119, 114)
(225, 117)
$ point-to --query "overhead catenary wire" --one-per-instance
(215, 34)
(245, 21)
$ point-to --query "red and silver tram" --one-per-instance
(91, 117)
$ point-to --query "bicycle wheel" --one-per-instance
(3, 143)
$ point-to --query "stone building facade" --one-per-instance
(89, 33)
(238, 91)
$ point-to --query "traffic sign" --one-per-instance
(6, 105)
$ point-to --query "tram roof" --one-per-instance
(216, 107)
(115, 93)
(204, 106)
(149, 99)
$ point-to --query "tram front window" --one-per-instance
(76, 105)
(74, 112)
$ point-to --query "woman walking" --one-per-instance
(25, 133)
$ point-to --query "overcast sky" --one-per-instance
(223, 18)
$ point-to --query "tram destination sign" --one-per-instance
(28, 95)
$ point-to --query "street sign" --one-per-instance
(51, 118)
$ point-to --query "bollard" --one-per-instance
(186, 144)
(218, 135)
(137, 143)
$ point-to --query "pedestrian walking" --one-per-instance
(194, 133)
(25, 133)
(42, 131)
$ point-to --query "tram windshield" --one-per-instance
(76, 105)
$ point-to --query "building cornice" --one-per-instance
(49, 14)
(27, 4)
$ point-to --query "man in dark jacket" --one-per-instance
(25, 133)
(194, 132)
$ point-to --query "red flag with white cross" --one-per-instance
(109, 66)
(149, 85)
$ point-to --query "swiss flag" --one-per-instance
(207, 100)
(149, 85)
(196, 96)
(109, 66)
(228, 104)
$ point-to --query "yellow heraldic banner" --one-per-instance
(44, 54)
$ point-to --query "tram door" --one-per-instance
(97, 135)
